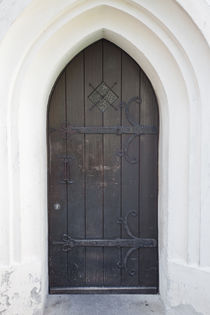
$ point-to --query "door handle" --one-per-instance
(67, 170)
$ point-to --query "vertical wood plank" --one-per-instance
(75, 150)
(148, 185)
(57, 190)
(112, 189)
(94, 167)
(130, 172)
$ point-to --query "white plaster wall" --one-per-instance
(170, 41)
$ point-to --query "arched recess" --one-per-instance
(54, 38)
(103, 126)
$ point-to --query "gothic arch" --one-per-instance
(165, 53)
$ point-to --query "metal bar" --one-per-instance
(133, 243)
(104, 290)
(119, 130)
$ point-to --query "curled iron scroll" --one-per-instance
(125, 151)
(124, 222)
(68, 243)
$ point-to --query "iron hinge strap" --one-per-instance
(118, 130)
(133, 243)
(70, 243)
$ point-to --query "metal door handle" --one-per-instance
(67, 170)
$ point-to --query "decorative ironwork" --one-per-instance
(124, 222)
(134, 130)
(145, 129)
(103, 96)
(133, 242)
(118, 130)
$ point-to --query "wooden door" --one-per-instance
(103, 176)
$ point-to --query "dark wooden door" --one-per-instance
(103, 176)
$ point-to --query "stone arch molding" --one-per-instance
(166, 43)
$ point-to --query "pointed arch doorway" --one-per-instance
(103, 176)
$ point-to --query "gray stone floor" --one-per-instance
(104, 305)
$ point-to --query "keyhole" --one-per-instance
(57, 206)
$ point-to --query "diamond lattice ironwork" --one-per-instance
(102, 97)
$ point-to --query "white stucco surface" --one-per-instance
(170, 41)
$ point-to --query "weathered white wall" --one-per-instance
(170, 41)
